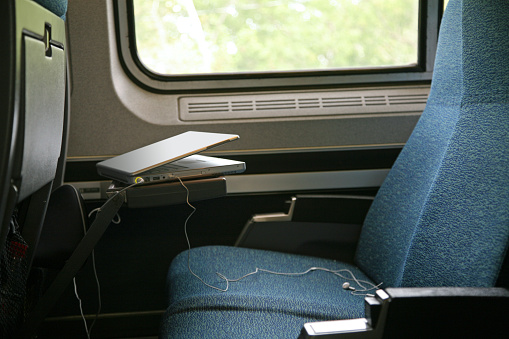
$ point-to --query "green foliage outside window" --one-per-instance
(222, 36)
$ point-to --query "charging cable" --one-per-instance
(363, 286)
(88, 330)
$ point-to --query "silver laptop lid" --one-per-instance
(162, 152)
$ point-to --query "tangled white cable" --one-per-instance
(363, 288)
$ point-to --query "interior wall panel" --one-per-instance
(111, 115)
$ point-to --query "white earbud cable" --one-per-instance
(364, 286)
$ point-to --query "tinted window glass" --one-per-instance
(178, 37)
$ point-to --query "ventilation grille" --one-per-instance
(300, 104)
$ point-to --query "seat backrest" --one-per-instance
(441, 218)
(36, 105)
(33, 86)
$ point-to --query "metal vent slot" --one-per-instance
(275, 104)
(202, 107)
(408, 99)
(301, 104)
(309, 103)
(375, 100)
(339, 102)
(239, 106)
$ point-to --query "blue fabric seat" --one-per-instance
(441, 218)
(275, 301)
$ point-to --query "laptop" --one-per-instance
(175, 157)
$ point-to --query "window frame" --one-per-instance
(430, 13)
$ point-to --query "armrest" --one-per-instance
(453, 312)
(429, 312)
(319, 225)
(342, 209)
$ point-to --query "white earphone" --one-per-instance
(346, 286)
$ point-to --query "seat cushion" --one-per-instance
(260, 305)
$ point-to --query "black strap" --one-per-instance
(73, 265)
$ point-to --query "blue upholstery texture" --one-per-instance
(261, 305)
(441, 217)
(58, 7)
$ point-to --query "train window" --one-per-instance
(176, 46)
(201, 37)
